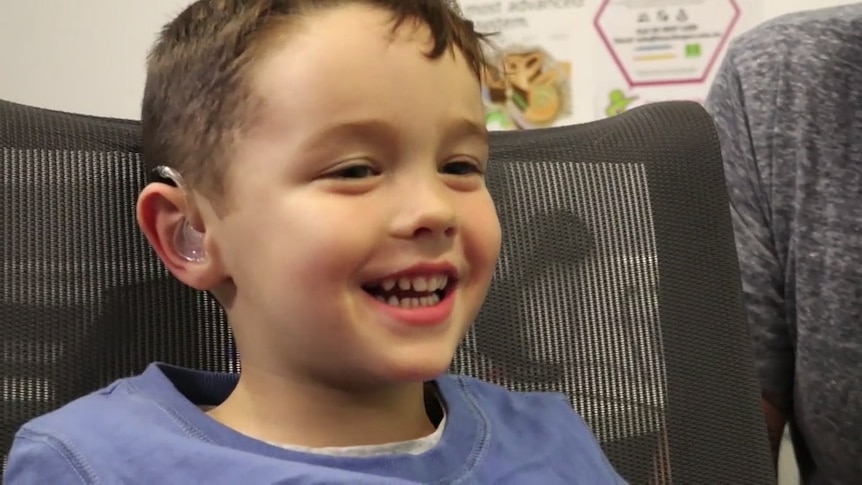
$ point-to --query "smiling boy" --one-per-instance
(322, 176)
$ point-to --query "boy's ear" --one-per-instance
(173, 232)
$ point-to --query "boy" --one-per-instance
(325, 161)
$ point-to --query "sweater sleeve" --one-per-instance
(760, 266)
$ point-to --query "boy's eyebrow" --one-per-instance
(380, 130)
(373, 129)
(465, 127)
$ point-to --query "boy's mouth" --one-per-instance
(413, 291)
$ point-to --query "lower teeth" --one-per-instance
(424, 301)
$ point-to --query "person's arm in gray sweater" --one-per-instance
(762, 274)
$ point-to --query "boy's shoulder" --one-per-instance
(117, 422)
(69, 427)
(153, 425)
(122, 404)
(501, 399)
(509, 410)
(516, 424)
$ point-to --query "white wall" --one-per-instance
(79, 55)
(88, 56)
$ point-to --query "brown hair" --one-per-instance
(198, 98)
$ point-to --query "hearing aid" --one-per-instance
(188, 241)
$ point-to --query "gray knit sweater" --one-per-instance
(788, 106)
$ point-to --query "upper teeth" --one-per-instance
(417, 283)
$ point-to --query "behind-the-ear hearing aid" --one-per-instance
(188, 241)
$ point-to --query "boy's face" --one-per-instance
(365, 164)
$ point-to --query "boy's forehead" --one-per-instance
(360, 27)
(349, 58)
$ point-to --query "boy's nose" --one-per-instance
(426, 212)
(442, 224)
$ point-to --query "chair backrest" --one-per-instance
(618, 284)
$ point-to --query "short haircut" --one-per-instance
(198, 96)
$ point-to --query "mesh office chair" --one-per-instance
(618, 284)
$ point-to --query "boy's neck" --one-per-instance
(284, 411)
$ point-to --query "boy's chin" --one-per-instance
(418, 368)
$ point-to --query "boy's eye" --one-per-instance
(354, 172)
(462, 167)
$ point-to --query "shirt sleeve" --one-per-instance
(760, 266)
(36, 458)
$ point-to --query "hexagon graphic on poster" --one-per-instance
(664, 43)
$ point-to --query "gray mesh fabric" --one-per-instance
(617, 285)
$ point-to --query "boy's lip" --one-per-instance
(421, 316)
(424, 316)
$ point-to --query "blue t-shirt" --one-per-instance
(151, 429)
